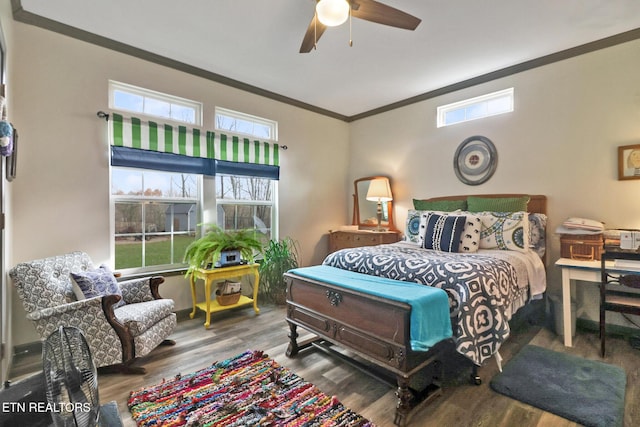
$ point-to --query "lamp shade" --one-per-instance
(379, 190)
(332, 12)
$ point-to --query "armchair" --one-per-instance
(116, 335)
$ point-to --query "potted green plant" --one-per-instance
(279, 256)
(206, 251)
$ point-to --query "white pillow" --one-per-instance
(583, 224)
(412, 226)
(505, 231)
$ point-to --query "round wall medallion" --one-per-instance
(475, 160)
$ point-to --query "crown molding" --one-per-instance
(21, 15)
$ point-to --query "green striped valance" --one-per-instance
(193, 142)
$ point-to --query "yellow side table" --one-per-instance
(219, 274)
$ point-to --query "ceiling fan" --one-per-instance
(335, 12)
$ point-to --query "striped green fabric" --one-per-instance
(147, 135)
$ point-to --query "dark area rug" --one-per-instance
(584, 391)
(246, 390)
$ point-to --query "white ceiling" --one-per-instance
(256, 42)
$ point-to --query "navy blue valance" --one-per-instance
(168, 162)
(247, 169)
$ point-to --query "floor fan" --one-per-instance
(71, 379)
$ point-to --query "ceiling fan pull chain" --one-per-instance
(350, 32)
(315, 31)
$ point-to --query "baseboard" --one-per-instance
(612, 329)
(23, 403)
(184, 314)
(35, 347)
(28, 348)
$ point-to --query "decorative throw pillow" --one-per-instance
(440, 205)
(498, 204)
(98, 282)
(537, 235)
(412, 227)
(470, 237)
(505, 230)
(442, 232)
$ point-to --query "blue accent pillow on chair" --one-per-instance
(98, 282)
(443, 232)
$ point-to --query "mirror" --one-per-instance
(365, 211)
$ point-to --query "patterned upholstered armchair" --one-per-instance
(117, 335)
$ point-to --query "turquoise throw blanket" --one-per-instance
(430, 321)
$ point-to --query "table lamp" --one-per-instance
(379, 191)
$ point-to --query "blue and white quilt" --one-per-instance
(484, 288)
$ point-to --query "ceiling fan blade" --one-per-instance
(312, 35)
(373, 11)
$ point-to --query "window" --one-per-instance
(476, 108)
(246, 202)
(245, 124)
(167, 180)
(131, 98)
(155, 216)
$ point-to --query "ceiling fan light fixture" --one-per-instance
(332, 12)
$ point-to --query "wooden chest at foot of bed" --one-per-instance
(376, 328)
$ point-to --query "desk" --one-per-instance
(572, 270)
(220, 274)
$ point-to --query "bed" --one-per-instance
(356, 299)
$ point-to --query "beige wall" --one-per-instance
(6, 294)
(560, 141)
(61, 194)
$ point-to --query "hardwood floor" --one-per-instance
(462, 404)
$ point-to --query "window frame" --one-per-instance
(146, 200)
(273, 203)
(207, 201)
(237, 115)
(464, 105)
(156, 96)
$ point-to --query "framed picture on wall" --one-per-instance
(629, 162)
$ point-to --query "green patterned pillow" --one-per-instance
(440, 205)
(498, 204)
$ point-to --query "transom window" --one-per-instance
(476, 108)
(131, 98)
(245, 124)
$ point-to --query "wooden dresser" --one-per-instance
(357, 238)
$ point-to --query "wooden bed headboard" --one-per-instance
(537, 203)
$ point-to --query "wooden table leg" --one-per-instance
(207, 298)
(192, 281)
(566, 307)
(256, 284)
(292, 349)
(405, 402)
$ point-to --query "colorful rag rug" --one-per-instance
(247, 390)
